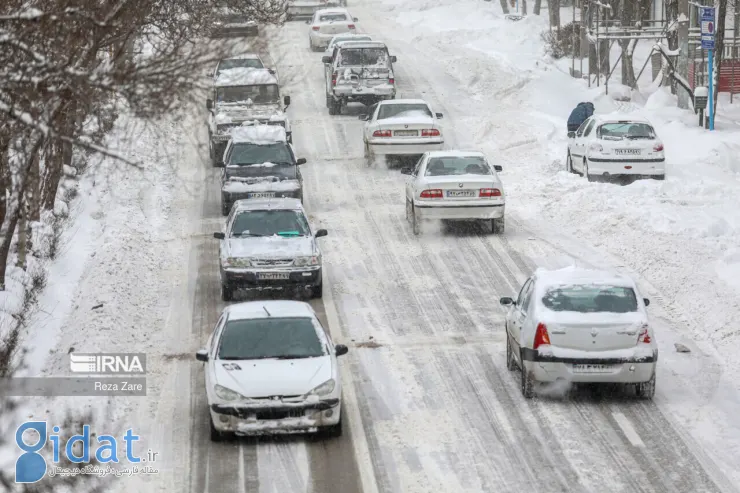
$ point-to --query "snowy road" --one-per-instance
(439, 410)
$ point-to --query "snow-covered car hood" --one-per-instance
(260, 184)
(267, 377)
(242, 112)
(271, 247)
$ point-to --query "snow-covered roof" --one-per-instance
(617, 119)
(333, 11)
(281, 203)
(348, 37)
(403, 101)
(269, 308)
(579, 275)
(433, 154)
(245, 76)
(243, 56)
(258, 134)
(362, 44)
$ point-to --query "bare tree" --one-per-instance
(719, 46)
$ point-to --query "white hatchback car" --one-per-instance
(456, 186)
(580, 325)
(271, 368)
(327, 23)
(397, 127)
(605, 147)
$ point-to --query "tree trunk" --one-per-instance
(537, 7)
(33, 191)
(4, 171)
(504, 6)
(553, 10)
(23, 228)
(671, 12)
(523, 4)
(5, 247)
(719, 42)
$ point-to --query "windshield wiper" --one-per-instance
(248, 234)
(301, 356)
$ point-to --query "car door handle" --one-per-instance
(558, 331)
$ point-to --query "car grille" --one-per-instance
(273, 262)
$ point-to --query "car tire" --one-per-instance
(588, 176)
(415, 223)
(216, 436)
(328, 101)
(225, 208)
(658, 177)
(527, 384)
(333, 431)
(569, 164)
(318, 291)
(646, 390)
(335, 107)
(498, 226)
(227, 292)
(511, 363)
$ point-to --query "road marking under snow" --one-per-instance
(351, 406)
(628, 429)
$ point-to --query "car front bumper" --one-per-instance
(405, 147)
(461, 212)
(621, 369)
(255, 278)
(640, 167)
(276, 419)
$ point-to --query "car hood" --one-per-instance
(242, 112)
(271, 247)
(268, 377)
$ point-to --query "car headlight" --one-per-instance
(304, 261)
(237, 262)
(227, 394)
(325, 388)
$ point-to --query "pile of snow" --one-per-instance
(245, 76)
(258, 134)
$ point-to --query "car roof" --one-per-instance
(259, 134)
(245, 76)
(433, 154)
(546, 278)
(243, 56)
(349, 36)
(403, 101)
(269, 308)
(362, 44)
(333, 11)
(620, 119)
(281, 203)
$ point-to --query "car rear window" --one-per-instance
(363, 56)
(332, 17)
(403, 110)
(446, 166)
(271, 337)
(626, 130)
(590, 299)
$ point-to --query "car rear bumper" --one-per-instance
(276, 419)
(229, 197)
(621, 369)
(235, 31)
(643, 167)
(351, 92)
(307, 9)
(399, 147)
(251, 278)
(459, 212)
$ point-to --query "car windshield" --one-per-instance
(591, 299)
(626, 130)
(270, 337)
(234, 19)
(239, 63)
(363, 56)
(332, 17)
(248, 153)
(451, 166)
(403, 110)
(269, 223)
(259, 94)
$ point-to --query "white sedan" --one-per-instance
(271, 368)
(457, 186)
(605, 147)
(580, 325)
(327, 23)
(401, 127)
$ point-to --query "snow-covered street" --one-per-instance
(430, 404)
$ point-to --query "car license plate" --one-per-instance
(629, 152)
(593, 368)
(261, 195)
(272, 276)
(406, 133)
(460, 193)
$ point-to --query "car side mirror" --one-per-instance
(209, 104)
(439, 115)
(219, 236)
(326, 59)
(506, 301)
(363, 117)
(646, 301)
(498, 167)
(407, 171)
(320, 233)
(301, 161)
(394, 58)
(286, 101)
(308, 21)
(340, 349)
(271, 70)
(571, 135)
(202, 355)
(355, 19)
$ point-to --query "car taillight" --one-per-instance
(541, 337)
(435, 193)
(391, 81)
(658, 147)
(490, 192)
(315, 28)
(351, 26)
(430, 132)
(382, 133)
(644, 336)
(334, 79)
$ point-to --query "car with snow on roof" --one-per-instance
(326, 23)
(581, 326)
(233, 24)
(307, 8)
(337, 40)
(271, 368)
(360, 72)
(269, 244)
(401, 127)
(259, 163)
(605, 147)
(244, 60)
(239, 95)
(454, 186)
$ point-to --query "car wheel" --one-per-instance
(646, 390)
(658, 177)
(328, 101)
(511, 364)
(497, 226)
(408, 210)
(569, 164)
(527, 384)
(225, 208)
(415, 223)
(216, 436)
(318, 291)
(585, 171)
(333, 431)
(335, 107)
(227, 292)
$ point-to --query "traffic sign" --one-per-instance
(707, 28)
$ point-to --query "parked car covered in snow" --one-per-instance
(607, 147)
(307, 8)
(239, 95)
(580, 325)
(326, 23)
(259, 163)
(340, 38)
(271, 368)
(360, 71)
(401, 127)
(231, 24)
(245, 60)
